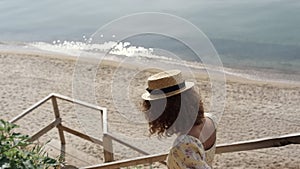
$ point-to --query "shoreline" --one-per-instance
(228, 77)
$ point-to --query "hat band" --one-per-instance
(167, 89)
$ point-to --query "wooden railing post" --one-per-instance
(107, 140)
(59, 127)
(108, 148)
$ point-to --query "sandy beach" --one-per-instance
(253, 110)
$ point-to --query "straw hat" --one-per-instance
(166, 84)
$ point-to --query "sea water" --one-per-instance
(256, 40)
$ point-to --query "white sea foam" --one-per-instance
(141, 55)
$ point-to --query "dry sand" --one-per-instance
(252, 110)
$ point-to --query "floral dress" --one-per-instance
(188, 152)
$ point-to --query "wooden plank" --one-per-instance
(224, 148)
(55, 107)
(129, 162)
(45, 130)
(81, 135)
(108, 148)
(30, 109)
(107, 140)
(104, 121)
(62, 152)
(131, 146)
(259, 143)
(57, 115)
(127, 144)
(61, 134)
(79, 102)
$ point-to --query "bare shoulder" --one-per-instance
(208, 133)
(212, 117)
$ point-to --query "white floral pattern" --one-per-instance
(188, 152)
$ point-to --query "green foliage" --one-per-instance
(17, 153)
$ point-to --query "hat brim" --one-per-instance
(148, 96)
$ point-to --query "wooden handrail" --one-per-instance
(126, 144)
(267, 142)
(79, 102)
(30, 109)
(223, 148)
(81, 135)
(129, 162)
(45, 130)
(59, 96)
(57, 121)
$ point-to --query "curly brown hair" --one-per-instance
(174, 114)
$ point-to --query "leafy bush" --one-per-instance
(17, 153)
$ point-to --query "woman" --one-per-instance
(172, 106)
